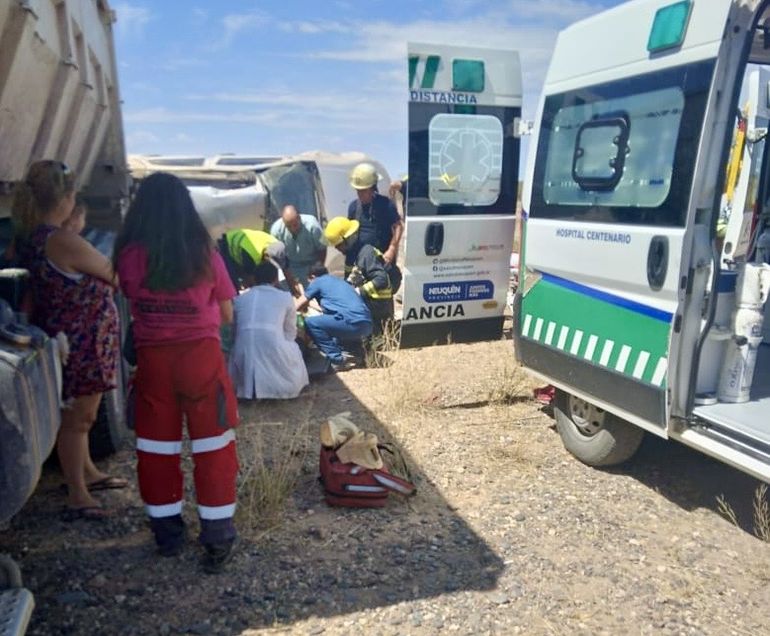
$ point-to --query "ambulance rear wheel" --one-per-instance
(595, 437)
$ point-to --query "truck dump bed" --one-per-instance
(59, 98)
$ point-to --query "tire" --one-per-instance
(109, 432)
(10, 575)
(595, 437)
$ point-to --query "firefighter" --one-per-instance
(379, 222)
(369, 273)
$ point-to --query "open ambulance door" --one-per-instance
(461, 198)
(616, 244)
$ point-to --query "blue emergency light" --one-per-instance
(669, 26)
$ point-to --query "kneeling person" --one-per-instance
(266, 361)
(369, 274)
(345, 315)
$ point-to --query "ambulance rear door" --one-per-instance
(464, 105)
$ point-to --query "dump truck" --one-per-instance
(59, 99)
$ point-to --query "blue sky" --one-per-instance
(282, 77)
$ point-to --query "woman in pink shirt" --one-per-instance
(180, 293)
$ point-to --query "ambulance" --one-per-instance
(635, 302)
(464, 122)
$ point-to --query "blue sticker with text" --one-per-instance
(455, 292)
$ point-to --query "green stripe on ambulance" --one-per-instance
(597, 331)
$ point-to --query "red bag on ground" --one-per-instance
(354, 486)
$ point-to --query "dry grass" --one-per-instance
(761, 514)
(377, 357)
(271, 466)
(509, 386)
(727, 511)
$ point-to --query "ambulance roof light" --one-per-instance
(468, 76)
(669, 26)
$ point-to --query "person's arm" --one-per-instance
(301, 303)
(226, 311)
(373, 269)
(390, 254)
(293, 283)
(224, 290)
(72, 253)
(318, 234)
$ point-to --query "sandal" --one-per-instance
(89, 513)
(108, 483)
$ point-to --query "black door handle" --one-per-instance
(657, 262)
(434, 239)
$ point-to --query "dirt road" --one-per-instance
(507, 534)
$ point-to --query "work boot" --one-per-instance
(170, 535)
(216, 556)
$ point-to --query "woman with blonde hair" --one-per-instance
(72, 288)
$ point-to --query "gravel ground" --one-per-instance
(507, 534)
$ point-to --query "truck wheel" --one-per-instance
(109, 431)
(10, 575)
(595, 437)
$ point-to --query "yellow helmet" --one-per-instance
(363, 176)
(340, 228)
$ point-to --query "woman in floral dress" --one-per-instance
(72, 288)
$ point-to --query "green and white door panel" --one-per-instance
(606, 217)
(461, 201)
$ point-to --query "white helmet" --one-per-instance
(363, 176)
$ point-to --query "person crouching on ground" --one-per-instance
(180, 292)
(368, 274)
(244, 247)
(266, 362)
(345, 315)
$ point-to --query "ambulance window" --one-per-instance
(623, 151)
(600, 153)
(465, 159)
(625, 159)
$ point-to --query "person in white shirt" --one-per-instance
(266, 362)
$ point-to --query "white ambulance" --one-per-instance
(464, 109)
(631, 304)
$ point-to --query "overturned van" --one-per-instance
(631, 302)
(234, 191)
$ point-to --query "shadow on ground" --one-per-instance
(92, 578)
(691, 479)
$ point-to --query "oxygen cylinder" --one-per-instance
(741, 355)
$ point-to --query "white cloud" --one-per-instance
(235, 23)
(140, 137)
(161, 115)
(555, 11)
(178, 63)
(131, 19)
(316, 27)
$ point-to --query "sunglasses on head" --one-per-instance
(62, 166)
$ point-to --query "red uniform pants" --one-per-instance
(186, 380)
